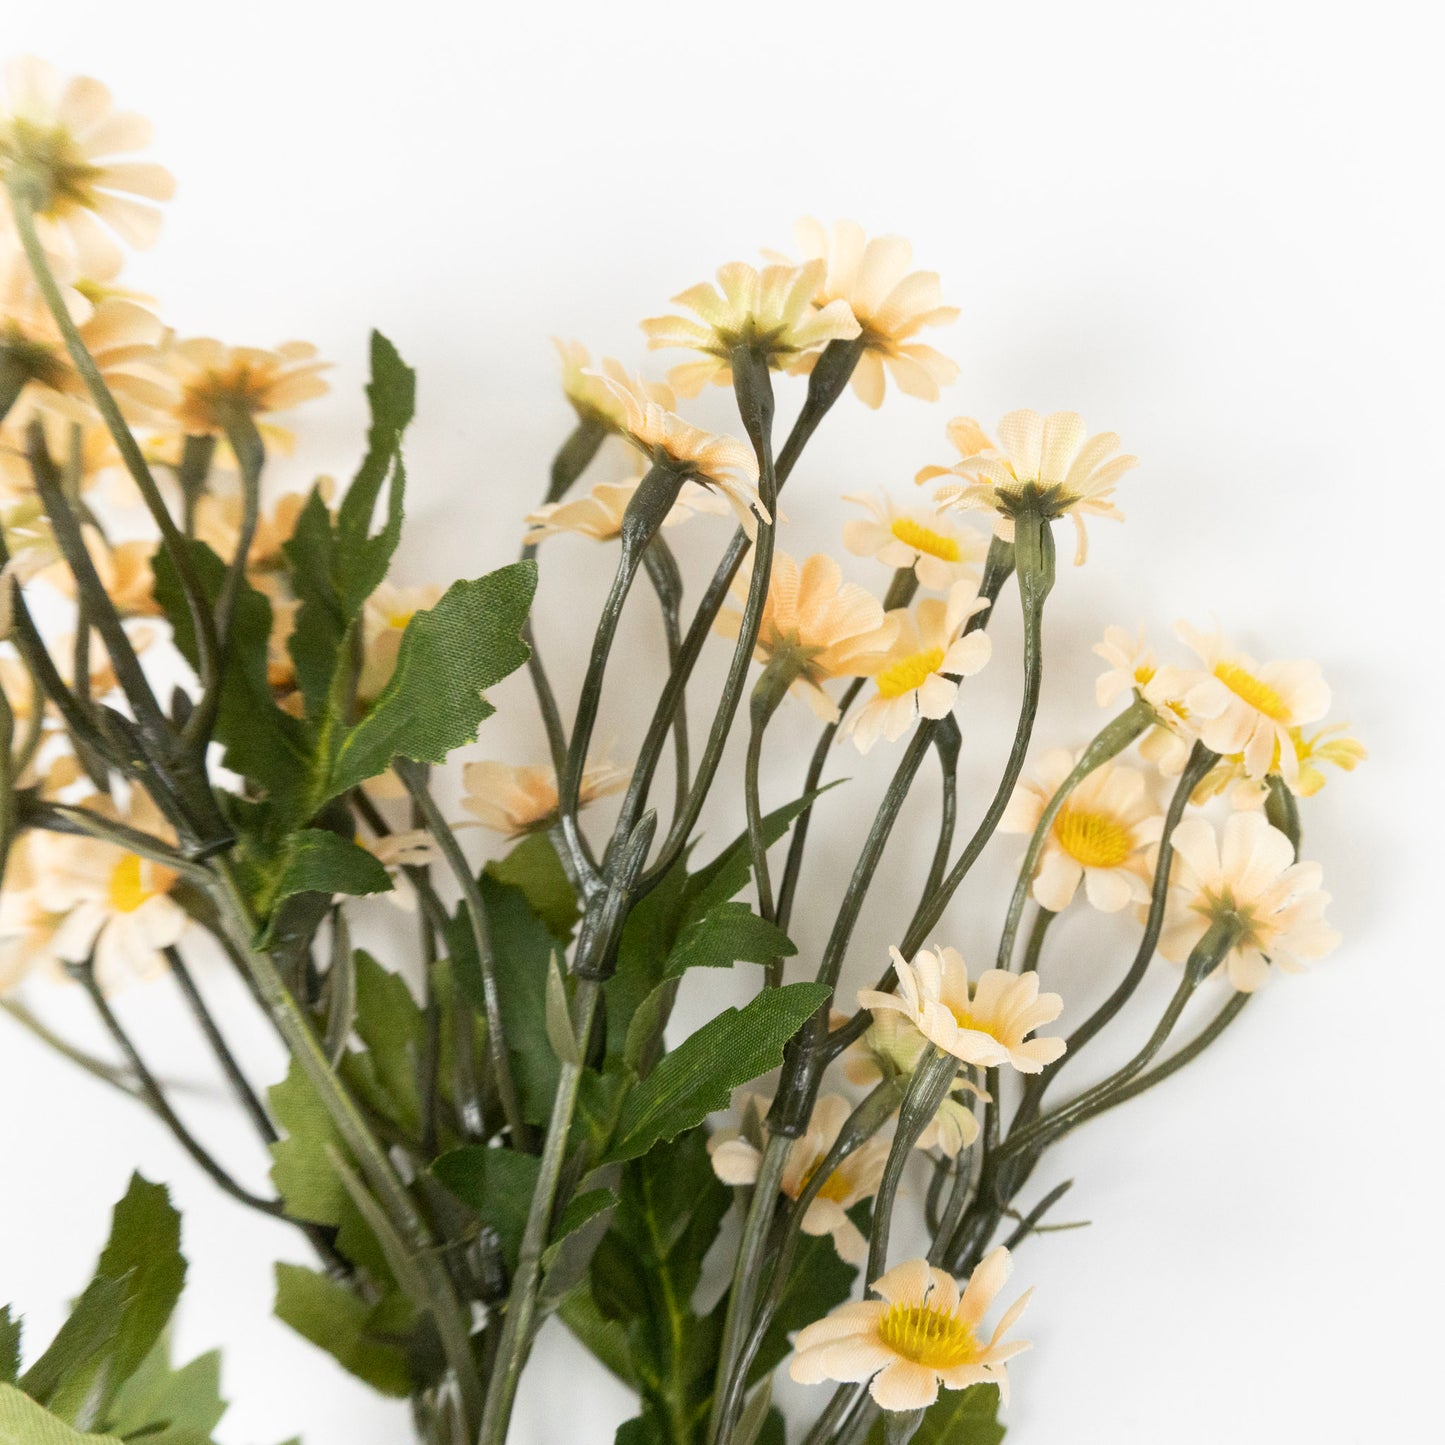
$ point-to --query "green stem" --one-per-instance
(130, 452)
(1035, 946)
(411, 1228)
(119, 1079)
(1185, 1055)
(747, 1268)
(521, 1314)
(1110, 742)
(415, 783)
(666, 579)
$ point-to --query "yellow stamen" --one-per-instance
(909, 673)
(127, 887)
(924, 539)
(835, 1186)
(399, 620)
(1094, 839)
(928, 1337)
(1259, 695)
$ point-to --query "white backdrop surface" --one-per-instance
(1215, 230)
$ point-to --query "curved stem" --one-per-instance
(414, 781)
(1110, 742)
(1035, 946)
(519, 1328)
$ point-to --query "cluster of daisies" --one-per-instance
(63, 149)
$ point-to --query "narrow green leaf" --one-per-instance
(727, 933)
(559, 1018)
(449, 654)
(23, 1422)
(699, 1076)
(581, 1209)
(497, 1184)
(319, 861)
(605, 1338)
(9, 1347)
(330, 1316)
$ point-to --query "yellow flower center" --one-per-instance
(835, 1186)
(127, 885)
(399, 620)
(1143, 675)
(909, 673)
(924, 539)
(1259, 695)
(928, 1337)
(1094, 839)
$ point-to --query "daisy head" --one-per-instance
(384, 620)
(917, 676)
(217, 382)
(114, 907)
(60, 139)
(1049, 466)
(598, 514)
(737, 1156)
(721, 463)
(1249, 708)
(919, 1334)
(939, 550)
(986, 1025)
(814, 625)
(1100, 837)
(1134, 667)
(1246, 874)
(769, 311)
(514, 801)
(583, 386)
(890, 303)
(1332, 745)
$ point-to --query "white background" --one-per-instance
(1214, 229)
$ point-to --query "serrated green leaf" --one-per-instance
(959, 1417)
(9, 1347)
(363, 559)
(165, 1406)
(270, 747)
(316, 642)
(331, 1317)
(449, 654)
(144, 1248)
(605, 1338)
(23, 1422)
(300, 1169)
(80, 1349)
(581, 1209)
(319, 861)
(699, 1076)
(534, 867)
(726, 934)
(497, 1183)
(390, 1024)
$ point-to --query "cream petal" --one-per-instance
(905, 1386)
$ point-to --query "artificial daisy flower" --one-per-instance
(770, 311)
(891, 304)
(1245, 707)
(918, 675)
(26, 928)
(58, 138)
(124, 341)
(821, 625)
(599, 513)
(1134, 667)
(650, 421)
(94, 458)
(1101, 836)
(125, 570)
(583, 386)
(1329, 745)
(216, 381)
(892, 1047)
(516, 800)
(736, 1158)
(917, 1336)
(384, 620)
(939, 551)
(1046, 464)
(1249, 874)
(985, 1025)
(411, 848)
(116, 905)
